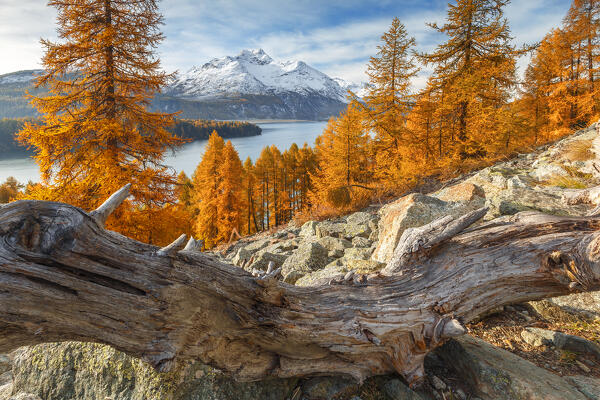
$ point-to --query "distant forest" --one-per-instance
(187, 129)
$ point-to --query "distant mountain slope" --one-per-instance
(13, 87)
(250, 85)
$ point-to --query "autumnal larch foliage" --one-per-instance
(96, 133)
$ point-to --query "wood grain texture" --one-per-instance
(64, 277)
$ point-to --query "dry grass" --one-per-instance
(574, 179)
(566, 182)
(580, 150)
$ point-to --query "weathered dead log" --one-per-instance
(64, 277)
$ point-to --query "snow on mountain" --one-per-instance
(253, 72)
(20, 76)
(359, 89)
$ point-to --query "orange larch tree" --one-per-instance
(389, 100)
(344, 177)
(475, 69)
(207, 182)
(230, 196)
(96, 132)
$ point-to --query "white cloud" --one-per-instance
(22, 24)
(315, 31)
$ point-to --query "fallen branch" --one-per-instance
(64, 277)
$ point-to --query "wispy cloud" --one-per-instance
(336, 36)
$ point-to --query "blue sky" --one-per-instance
(335, 36)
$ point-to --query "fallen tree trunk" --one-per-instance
(64, 277)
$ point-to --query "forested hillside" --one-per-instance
(186, 129)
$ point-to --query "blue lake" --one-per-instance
(281, 134)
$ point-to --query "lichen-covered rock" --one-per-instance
(241, 256)
(83, 371)
(80, 371)
(496, 374)
(309, 257)
(308, 229)
(463, 192)
(331, 228)
(358, 253)
(361, 242)
(335, 245)
(334, 270)
(544, 199)
(24, 396)
(328, 388)
(396, 390)
(358, 224)
(282, 246)
(410, 211)
(363, 266)
(538, 337)
(261, 261)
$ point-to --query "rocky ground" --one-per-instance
(540, 350)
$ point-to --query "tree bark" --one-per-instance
(64, 277)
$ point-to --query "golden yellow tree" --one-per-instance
(207, 180)
(96, 133)
(230, 196)
(389, 100)
(344, 177)
(475, 69)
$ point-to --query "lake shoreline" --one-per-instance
(186, 158)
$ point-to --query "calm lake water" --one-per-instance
(281, 134)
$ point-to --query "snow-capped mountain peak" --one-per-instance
(254, 72)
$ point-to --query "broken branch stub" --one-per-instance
(102, 213)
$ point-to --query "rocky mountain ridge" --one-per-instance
(250, 85)
(539, 350)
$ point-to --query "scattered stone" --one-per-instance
(495, 373)
(331, 228)
(336, 246)
(460, 394)
(539, 337)
(308, 229)
(241, 257)
(309, 257)
(331, 272)
(396, 390)
(357, 253)
(328, 387)
(282, 246)
(357, 225)
(363, 266)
